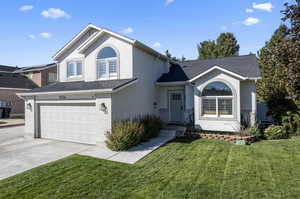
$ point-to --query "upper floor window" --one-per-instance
(217, 100)
(74, 69)
(107, 64)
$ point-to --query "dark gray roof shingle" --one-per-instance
(11, 80)
(176, 74)
(35, 68)
(246, 66)
(82, 85)
(4, 68)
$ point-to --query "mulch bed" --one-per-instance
(232, 139)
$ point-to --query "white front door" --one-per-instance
(176, 106)
(69, 122)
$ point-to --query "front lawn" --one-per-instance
(198, 169)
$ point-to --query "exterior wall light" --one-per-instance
(29, 106)
(103, 107)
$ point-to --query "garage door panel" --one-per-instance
(69, 122)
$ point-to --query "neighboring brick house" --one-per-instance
(12, 83)
(41, 75)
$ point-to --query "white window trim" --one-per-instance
(75, 69)
(217, 115)
(108, 74)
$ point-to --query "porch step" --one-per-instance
(178, 130)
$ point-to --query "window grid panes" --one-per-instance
(107, 64)
(225, 106)
(74, 68)
(209, 106)
(217, 100)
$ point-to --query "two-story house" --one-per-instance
(104, 77)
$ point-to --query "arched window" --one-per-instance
(217, 100)
(107, 64)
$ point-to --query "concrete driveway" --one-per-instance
(18, 154)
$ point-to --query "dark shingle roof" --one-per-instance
(82, 85)
(176, 74)
(246, 66)
(8, 68)
(35, 68)
(11, 80)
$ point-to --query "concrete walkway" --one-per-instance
(132, 155)
(11, 122)
(19, 153)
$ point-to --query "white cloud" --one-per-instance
(251, 21)
(223, 28)
(128, 30)
(156, 45)
(26, 8)
(249, 10)
(46, 35)
(168, 2)
(55, 13)
(31, 36)
(263, 6)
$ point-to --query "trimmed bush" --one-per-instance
(291, 123)
(124, 135)
(152, 125)
(274, 132)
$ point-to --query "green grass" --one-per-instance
(197, 169)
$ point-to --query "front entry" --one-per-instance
(176, 106)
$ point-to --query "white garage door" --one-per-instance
(69, 122)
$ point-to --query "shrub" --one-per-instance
(275, 132)
(124, 135)
(252, 131)
(291, 123)
(152, 125)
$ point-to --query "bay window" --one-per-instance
(217, 100)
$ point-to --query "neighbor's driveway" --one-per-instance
(18, 154)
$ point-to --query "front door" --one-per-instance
(176, 103)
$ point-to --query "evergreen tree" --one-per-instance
(225, 45)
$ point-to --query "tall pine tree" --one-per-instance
(225, 45)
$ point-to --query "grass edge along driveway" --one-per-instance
(181, 169)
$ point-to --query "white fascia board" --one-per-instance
(87, 44)
(67, 92)
(61, 51)
(65, 101)
(218, 68)
(146, 48)
(21, 89)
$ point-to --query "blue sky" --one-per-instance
(33, 30)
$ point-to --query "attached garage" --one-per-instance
(76, 111)
(69, 122)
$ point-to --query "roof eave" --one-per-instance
(217, 68)
(105, 91)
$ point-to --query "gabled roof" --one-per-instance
(82, 86)
(244, 66)
(176, 74)
(101, 31)
(35, 68)
(4, 68)
(17, 81)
